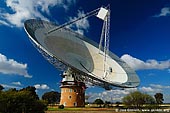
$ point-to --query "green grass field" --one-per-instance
(65, 109)
(96, 109)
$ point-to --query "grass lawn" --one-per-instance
(89, 110)
(65, 109)
(82, 110)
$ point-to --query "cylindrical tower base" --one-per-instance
(72, 94)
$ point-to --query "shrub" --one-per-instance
(61, 106)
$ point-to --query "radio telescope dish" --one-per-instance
(65, 49)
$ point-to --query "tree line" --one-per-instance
(137, 100)
(133, 100)
(27, 101)
(21, 101)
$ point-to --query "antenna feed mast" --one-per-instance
(104, 14)
(89, 14)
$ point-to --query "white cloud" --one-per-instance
(10, 86)
(45, 5)
(21, 10)
(4, 23)
(158, 86)
(17, 83)
(80, 25)
(12, 67)
(26, 9)
(138, 64)
(111, 95)
(148, 89)
(41, 86)
(117, 95)
(164, 12)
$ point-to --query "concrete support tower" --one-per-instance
(72, 92)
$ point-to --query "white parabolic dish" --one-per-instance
(73, 50)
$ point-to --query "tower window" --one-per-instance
(70, 90)
(69, 97)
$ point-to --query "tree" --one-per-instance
(98, 102)
(32, 91)
(118, 103)
(137, 99)
(148, 99)
(159, 98)
(1, 87)
(52, 97)
(18, 101)
(107, 104)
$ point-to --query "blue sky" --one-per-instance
(140, 35)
